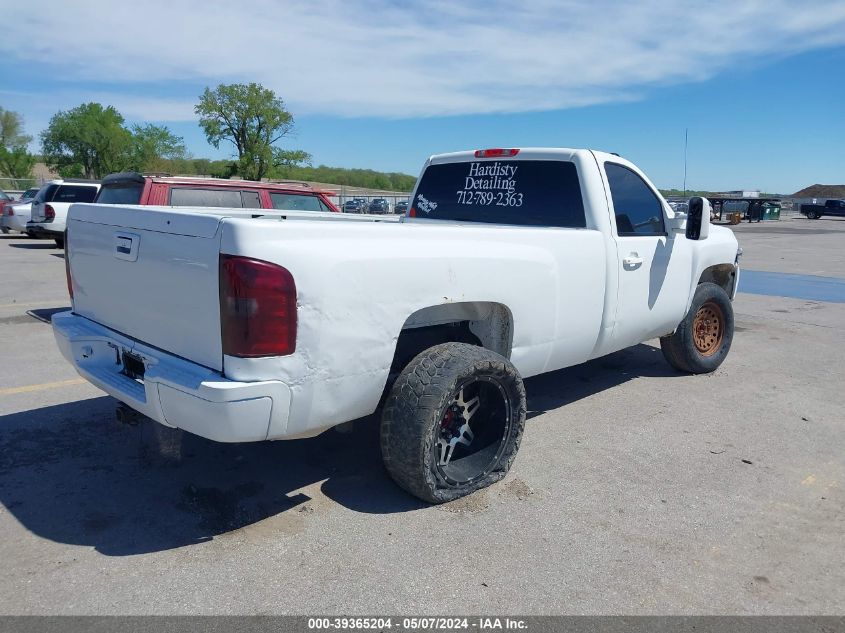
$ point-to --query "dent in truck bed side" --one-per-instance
(353, 301)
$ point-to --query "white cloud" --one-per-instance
(396, 59)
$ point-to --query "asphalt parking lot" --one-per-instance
(637, 490)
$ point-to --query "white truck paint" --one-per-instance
(544, 297)
(50, 206)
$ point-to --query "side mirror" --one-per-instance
(698, 219)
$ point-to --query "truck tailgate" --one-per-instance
(152, 275)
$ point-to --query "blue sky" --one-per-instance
(384, 84)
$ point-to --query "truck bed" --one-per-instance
(359, 280)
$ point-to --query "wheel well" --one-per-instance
(481, 323)
(723, 275)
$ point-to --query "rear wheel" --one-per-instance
(813, 215)
(4, 230)
(452, 422)
(703, 339)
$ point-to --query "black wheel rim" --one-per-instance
(472, 432)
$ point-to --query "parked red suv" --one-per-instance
(179, 191)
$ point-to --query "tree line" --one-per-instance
(93, 140)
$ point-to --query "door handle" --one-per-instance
(632, 261)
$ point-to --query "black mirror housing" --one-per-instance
(698, 218)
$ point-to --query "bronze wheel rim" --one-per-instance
(708, 329)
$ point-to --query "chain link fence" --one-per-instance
(19, 185)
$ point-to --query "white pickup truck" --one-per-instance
(509, 263)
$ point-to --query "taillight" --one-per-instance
(67, 268)
(49, 212)
(495, 153)
(257, 308)
(412, 213)
(10, 211)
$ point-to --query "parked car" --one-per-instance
(379, 205)
(5, 199)
(355, 205)
(830, 207)
(679, 207)
(401, 207)
(15, 214)
(50, 205)
(243, 329)
(178, 191)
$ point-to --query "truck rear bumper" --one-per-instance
(173, 391)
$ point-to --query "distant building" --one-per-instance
(754, 193)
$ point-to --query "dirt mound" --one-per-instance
(821, 191)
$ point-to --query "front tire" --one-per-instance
(453, 422)
(703, 339)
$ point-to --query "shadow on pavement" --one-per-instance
(45, 315)
(558, 388)
(71, 474)
(38, 245)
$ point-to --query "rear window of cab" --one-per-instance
(124, 193)
(297, 202)
(515, 192)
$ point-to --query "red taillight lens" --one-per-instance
(257, 308)
(67, 268)
(49, 212)
(10, 211)
(495, 153)
(413, 212)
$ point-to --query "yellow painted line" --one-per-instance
(42, 387)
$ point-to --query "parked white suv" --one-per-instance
(50, 206)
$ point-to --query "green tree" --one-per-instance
(155, 148)
(92, 141)
(11, 130)
(15, 159)
(89, 141)
(16, 162)
(290, 157)
(352, 177)
(250, 117)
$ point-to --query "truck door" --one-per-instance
(654, 262)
